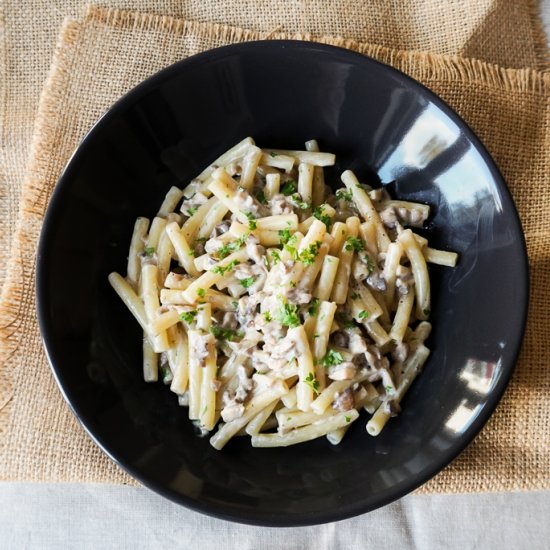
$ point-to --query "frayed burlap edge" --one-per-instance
(467, 69)
(36, 193)
(18, 278)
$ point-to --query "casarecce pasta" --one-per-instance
(276, 307)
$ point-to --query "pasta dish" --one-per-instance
(277, 307)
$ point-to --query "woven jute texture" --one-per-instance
(103, 55)
(498, 31)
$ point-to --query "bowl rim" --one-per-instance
(223, 511)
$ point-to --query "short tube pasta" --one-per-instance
(275, 308)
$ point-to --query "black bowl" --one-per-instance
(380, 123)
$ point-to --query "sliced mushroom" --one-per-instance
(344, 401)
(344, 371)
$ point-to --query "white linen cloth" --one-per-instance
(107, 517)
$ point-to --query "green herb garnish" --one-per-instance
(288, 315)
(313, 307)
(188, 316)
(273, 154)
(247, 283)
(344, 320)
(348, 418)
(344, 195)
(354, 243)
(149, 251)
(319, 213)
(229, 248)
(284, 236)
(312, 382)
(275, 257)
(370, 264)
(222, 270)
(251, 220)
(289, 188)
(221, 333)
(297, 201)
(332, 358)
(354, 296)
(363, 314)
(201, 292)
(307, 256)
(267, 316)
(426, 312)
(191, 211)
(260, 197)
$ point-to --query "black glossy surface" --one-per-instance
(381, 124)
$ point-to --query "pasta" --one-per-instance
(277, 308)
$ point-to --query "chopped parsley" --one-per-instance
(344, 320)
(290, 246)
(307, 256)
(229, 248)
(284, 236)
(297, 201)
(248, 282)
(275, 257)
(260, 197)
(201, 292)
(251, 220)
(235, 305)
(332, 358)
(288, 315)
(363, 314)
(267, 316)
(388, 389)
(354, 243)
(312, 382)
(344, 195)
(320, 214)
(149, 251)
(370, 263)
(313, 307)
(222, 270)
(221, 333)
(188, 316)
(348, 418)
(289, 188)
(354, 296)
(192, 210)
(191, 253)
(273, 154)
(426, 312)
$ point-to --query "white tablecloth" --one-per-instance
(49, 516)
(114, 517)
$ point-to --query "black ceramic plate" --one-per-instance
(380, 123)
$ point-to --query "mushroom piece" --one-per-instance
(344, 401)
(344, 371)
(232, 412)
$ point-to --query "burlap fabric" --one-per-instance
(498, 31)
(103, 55)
